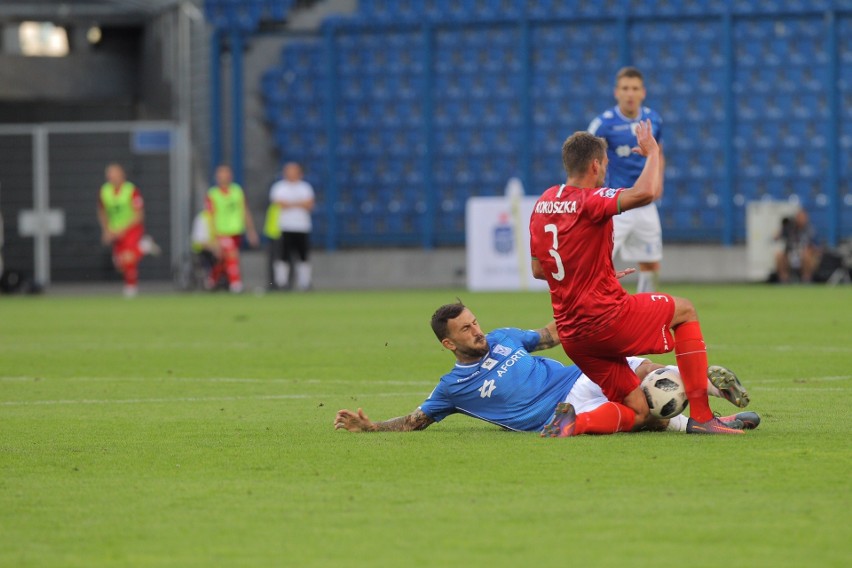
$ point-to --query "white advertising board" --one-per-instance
(498, 244)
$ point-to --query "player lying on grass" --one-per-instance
(495, 379)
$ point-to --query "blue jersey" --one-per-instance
(508, 386)
(620, 135)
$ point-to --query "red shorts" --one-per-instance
(129, 242)
(643, 326)
(230, 243)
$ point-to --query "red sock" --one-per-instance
(216, 272)
(232, 268)
(692, 361)
(131, 275)
(608, 418)
(130, 271)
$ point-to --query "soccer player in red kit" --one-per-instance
(121, 214)
(599, 323)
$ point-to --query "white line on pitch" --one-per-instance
(757, 381)
(801, 389)
(222, 380)
(782, 348)
(201, 399)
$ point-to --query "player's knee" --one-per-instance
(643, 418)
(684, 311)
(637, 402)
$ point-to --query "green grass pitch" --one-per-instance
(196, 430)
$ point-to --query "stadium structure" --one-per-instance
(402, 110)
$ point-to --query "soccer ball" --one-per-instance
(664, 391)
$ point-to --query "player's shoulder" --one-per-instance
(503, 332)
(511, 337)
(606, 192)
(601, 122)
(549, 192)
(652, 114)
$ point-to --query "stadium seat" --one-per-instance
(477, 115)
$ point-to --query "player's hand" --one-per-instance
(253, 240)
(348, 420)
(645, 138)
(622, 273)
(107, 237)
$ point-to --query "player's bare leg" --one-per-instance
(637, 402)
(782, 267)
(127, 263)
(649, 276)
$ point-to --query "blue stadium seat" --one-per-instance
(780, 102)
(303, 57)
(378, 11)
(405, 10)
(240, 14)
(278, 9)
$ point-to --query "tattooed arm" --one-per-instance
(360, 422)
(548, 337)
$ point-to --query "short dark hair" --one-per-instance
(580, 150)
(443, 315)
(629, 72)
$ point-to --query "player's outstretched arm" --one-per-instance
(106, 235)
(251, 233)
(360, 422)
(548, 337)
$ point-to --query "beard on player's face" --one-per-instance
(475, 348)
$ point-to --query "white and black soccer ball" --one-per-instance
(665, 393)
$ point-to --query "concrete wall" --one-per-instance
(76, 166)
(445, 268)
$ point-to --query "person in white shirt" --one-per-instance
(295, 197)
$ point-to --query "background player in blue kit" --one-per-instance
(495, 379)
(637, 233)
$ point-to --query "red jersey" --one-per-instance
(571, 236)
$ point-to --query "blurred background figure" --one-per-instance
(205, 249)
(121, 214)
(800, 254)
(226, 204)
(295, 199)
(637, 233)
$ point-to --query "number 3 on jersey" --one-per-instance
(560, 269)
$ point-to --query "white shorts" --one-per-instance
(637, 235)
(586, 395)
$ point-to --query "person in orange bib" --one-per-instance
(121, 214)
(226, 203)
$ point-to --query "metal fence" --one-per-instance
(50, 175)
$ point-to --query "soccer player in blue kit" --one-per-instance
(497, 380)
(637, 234)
